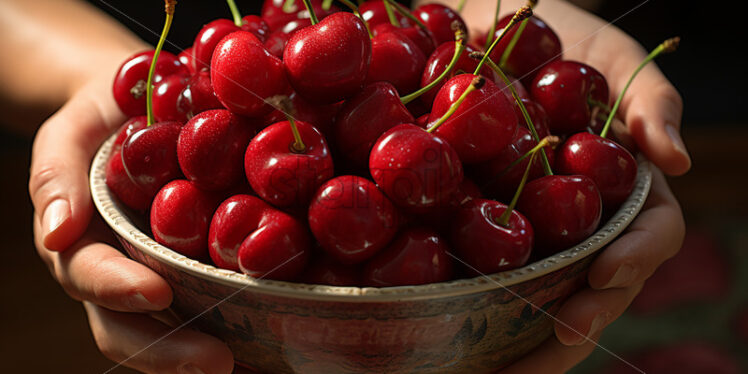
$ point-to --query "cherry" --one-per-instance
(352, 219)
(276, 16)
(277, 40)
(328, 62)
(286, 163)
(414, 168)
(441, 217)
(244, 74)
(567, 90)
(574, 195)
(180, 218)
(207, 40)
(130, 87)
(130, 126)
(198, 96)
(442, 21)
(421, 37)
(322, 116)
(187, 58)
(116, 177)
(396, 59)
(166, 96)
(211, 146)
(417, 256)
(257, 26)
(375, 14)
(438, 62)
(248, 234)
(483, 122)
(325, 270)
(150, 156)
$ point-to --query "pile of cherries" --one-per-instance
(366, 148)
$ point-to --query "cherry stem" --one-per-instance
(235, 13)
(492, 30)
(169, 9)
(522, 14)
(310, 9)
(356, 12)
(599, 104)
(459, 50)
(528, 120)
(461, 6)
(515, 38)
(326, 4)
(406, 13)
(390, 14)
(667, 46)
(552, 141)
(284, 104)
(476, 84)
(289, 6)
(503, 220)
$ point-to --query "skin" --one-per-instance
(124, 299)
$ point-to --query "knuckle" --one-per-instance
(43, 175)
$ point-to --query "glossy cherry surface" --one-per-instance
(281, 175)
(352, 219)
(166, 97)
(180, 218)
(396, 59)
(123, 187)
(487, 246)
(439, 19)
(198, 96)
(563, 211)
(422, 38)
(364, 118)
(244, 74)
(416, 256)
(257, 26)
(211, 147)
(322, 116)
(187, 58)
(150, 156)
(414, 168)
(276, 17)
(564, 89)
(482, 126)
(609, 165)
(328, 62)
(375, 14)
(277, 40)
(207, 39)
(130, 126)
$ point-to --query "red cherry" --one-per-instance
(276, 17)
(180, 217)
(438, 62)
(417, 256)
(166, 96)
(375, 14)
(130, 126)
(327, 62)
(187, 58)
(244, 74)
(441, 218)
(123, 187)
(352, 219)
(257, 26)
(207, 39)
(397, 60)
(198, 96)
(282, 175)
(211, 148)
(610, 166)
(129, 86)
(564, 89)
(563, 210)
(325, 270)
(422, 38)
(440, 19)
(414, 168)
(364, 118)
(150, 156)
(277, 40)
(482, 126)
(322, 116)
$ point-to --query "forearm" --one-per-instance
(50, 49)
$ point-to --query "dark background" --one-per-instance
(50, 332)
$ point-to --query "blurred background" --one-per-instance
(692, 316)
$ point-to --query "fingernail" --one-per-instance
(56, 213)
(623, 276)
(597, 325)
(139, 302)
(190, 368)
(677, 141)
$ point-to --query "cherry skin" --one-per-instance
(396, 59)
(563, 210)
(328, 62)
(187, 58)
(115, 175)
(198, 96)
(609, 165)
(281, 175)
(364, 118)
(180, 218)
(322, 116)
(414, 168)
(537, 46)
(375, 14)
(244, 74)
(487, 246)
(564, 89)
(129, 86)
(150, 156)
(351, 219)
(166, 96)
(422, 38)
(277, 40)
(439, 19)
(482, 126)
(211, 146)
(417, 256)
(207, 39)
(257, 26)
(325, 270)
(130, 126)
(441, 218)
(249, 235)
(275, 17)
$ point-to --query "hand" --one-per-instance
(122, 297)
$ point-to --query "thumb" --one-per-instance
(61, 157)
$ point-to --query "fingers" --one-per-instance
(93, 271)
(142, 343)
(61, 158)
(552, 357)
(655, 236)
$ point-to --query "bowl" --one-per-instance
(463, 326)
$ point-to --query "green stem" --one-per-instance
(503, 220)
(476, 84)
(667, 46)
(149, 83)
(326, 4)
(492, 30)
(235, 13)
(459, 50)
(512, 43)
(391, 14)
(310, 9)
(552, 140)
(599, 104)
(521, 14)
(355, 11)
(405, 12)
(298, 145)
(289, 6)
(461, 6)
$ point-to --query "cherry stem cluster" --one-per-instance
(459, 50)
(391, 14)
(170, 5)
(235, 13)
(667, 46)
(406, 13)
(515, 38)
(522, 14)
(312, 15)
(492, 30)
(476, 84)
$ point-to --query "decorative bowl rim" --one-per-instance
(114, 215)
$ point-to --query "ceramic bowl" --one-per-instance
(464, 326)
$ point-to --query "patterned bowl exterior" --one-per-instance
(465, 326)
